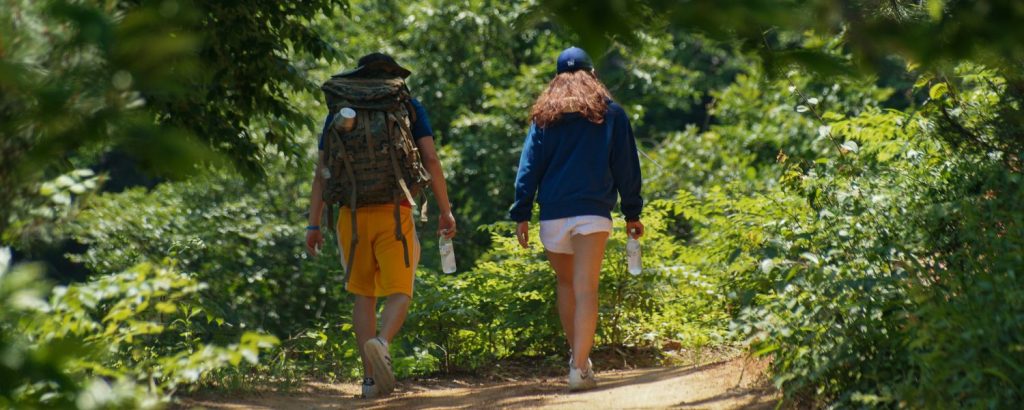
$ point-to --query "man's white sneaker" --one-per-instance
(580, 380)
(380, 361)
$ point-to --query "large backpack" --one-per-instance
(377, 161)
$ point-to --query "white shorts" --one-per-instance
(556, 234)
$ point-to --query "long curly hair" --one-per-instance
(572, 92)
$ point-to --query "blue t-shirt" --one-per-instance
(419, 130)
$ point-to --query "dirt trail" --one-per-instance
(731, 384)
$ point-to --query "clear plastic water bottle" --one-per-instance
(633, 254)
(447, 253)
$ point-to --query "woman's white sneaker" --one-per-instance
(579, 379)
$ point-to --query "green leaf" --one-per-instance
(811, 257)
(118, 315)
(64, 181)
(164, 307)
(938, 90)
(995, 372)
(47, 189)
(935, 8)
(251, 355)
(767, 349)
(832, 116)
(922, 81)
(83, 173)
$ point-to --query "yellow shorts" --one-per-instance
(378, 267)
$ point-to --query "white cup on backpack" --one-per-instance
(348, 119)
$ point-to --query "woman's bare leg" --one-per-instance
(589, 253)
(563, 265)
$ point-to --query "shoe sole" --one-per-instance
(582, 387)
(371, 395)
(584, 384)
(382, 374)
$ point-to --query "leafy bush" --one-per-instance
(867, 238)
(124, 340)
(240, 241)
(882, 272)
(505, 306)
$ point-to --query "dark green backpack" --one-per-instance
(377, 161)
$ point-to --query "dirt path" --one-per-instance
(732, 384)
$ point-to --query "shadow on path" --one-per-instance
(717, 385)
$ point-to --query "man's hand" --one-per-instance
(446, 225)
(635, 229)
(523, 234)
(314, 241)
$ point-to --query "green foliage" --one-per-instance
(932, 32)
(25, 367)
(244, 245)
(881, 272)
(241, 241)
(169, 82)
(505, 306)
(864, 231)
(143, 324)
(59, 96)
(55, 202)
(327, 350)
(123, 341)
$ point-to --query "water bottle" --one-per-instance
(447, 253)
(633, 254)
(347, 120)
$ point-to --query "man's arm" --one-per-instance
(446, 222)
(314, 237)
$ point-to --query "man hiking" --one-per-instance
(376, 153)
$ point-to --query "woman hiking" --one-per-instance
(579, 156)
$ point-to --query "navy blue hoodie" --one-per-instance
(579, 168)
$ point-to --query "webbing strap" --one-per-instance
(391, 123)
(423, 207)
(413, 117)
(351, 247)
(406, 127)
(353, 203)
(329, 161)
(399, 235)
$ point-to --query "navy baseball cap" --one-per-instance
(572, 59)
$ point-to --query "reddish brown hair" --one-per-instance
(575, 91)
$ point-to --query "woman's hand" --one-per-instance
(635, 229)
(523, 234)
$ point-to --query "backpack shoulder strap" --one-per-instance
(332, 133)
(409, 106)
